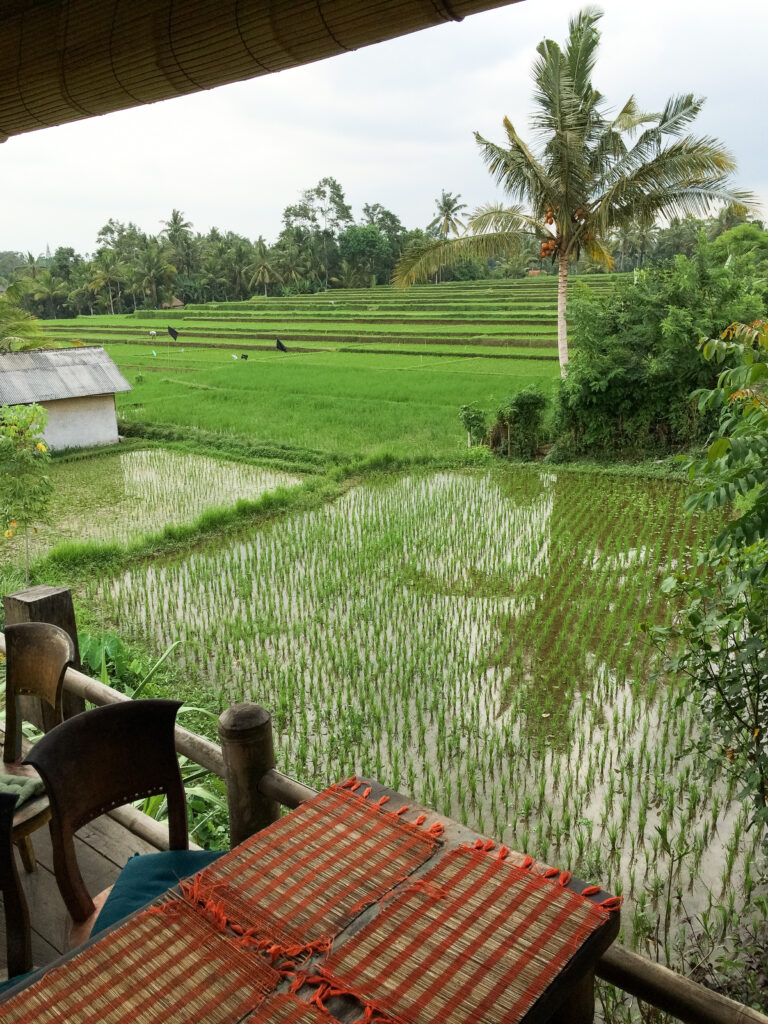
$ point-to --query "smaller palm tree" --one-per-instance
(447, 221)
(262, 270)
(18, 328)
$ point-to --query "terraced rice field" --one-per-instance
(471, 639)
(118, 497)
(480, 315)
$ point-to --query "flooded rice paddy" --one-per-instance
(137, 493)
(472, 640)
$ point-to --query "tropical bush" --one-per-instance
(635, 361)
(25, 483)
(519, 425)
(474, 423)
(722, 630)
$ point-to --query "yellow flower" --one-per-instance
(9, 533)
(14, 524)
(41, 447)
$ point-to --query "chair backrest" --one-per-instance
(37, 656)
(17, 931)
(100, 760)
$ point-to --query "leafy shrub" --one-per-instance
(721, 630)
(519, 425)
(634, 355)
(474, 423)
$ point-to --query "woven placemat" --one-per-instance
(287, 1009)
(304, 878)
(476, 939)
(168, 965)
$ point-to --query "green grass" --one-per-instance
(340, 403)
(508, 314)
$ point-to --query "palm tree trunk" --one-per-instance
(562, 328)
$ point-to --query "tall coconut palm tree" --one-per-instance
(154, 268)
(47, 288)
(591, 175)
(108, 271)
(176, 228)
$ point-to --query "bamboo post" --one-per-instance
(45, 604)
(245, 731)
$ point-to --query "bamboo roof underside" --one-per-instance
(65, 60)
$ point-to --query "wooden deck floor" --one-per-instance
(103, 847)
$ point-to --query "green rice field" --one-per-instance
(513, 316)
(336, 401)
(123, 496)
(510, 598)
(469, 636)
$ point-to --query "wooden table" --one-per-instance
(353, 903)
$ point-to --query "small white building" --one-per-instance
(76, 386)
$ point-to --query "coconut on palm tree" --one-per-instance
(591, 174)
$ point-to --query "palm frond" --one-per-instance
(517, 170)
(423, 258)
(493, 218)
(18, 328)
(581, 49)
(698, 165)
(630, 117)
(679, 112)
(598, 252)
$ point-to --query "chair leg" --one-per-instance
(27, 852)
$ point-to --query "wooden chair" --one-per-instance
(17, 931)
(100, 760)
(37, 656)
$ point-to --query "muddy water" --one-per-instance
(121, 497)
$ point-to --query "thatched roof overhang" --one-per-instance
(64, 60)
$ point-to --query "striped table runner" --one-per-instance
(476, 939)
(168, 965)
(298, 883)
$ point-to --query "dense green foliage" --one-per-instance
(520, 424)
(636, 360)
(25, 483)
(722, 629)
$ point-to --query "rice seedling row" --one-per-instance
(472, 640)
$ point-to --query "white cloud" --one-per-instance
(393, 123)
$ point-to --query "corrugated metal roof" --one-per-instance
(45, 375)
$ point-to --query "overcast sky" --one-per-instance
(392, 123)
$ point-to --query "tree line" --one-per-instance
(320, 246)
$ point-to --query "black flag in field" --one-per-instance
(280, 346)
(173, 334)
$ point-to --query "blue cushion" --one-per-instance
(17, 980)
(148, 876)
